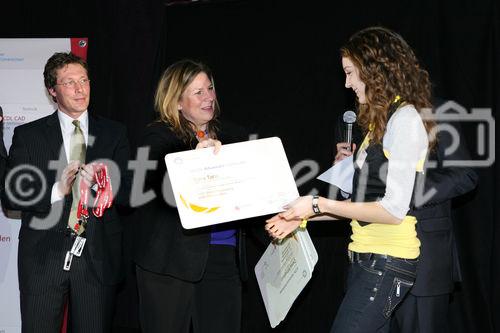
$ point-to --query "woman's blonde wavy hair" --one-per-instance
(171, 86)
(388, 67)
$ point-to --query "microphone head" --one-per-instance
(349, 117)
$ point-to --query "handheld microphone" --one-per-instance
(349, 119)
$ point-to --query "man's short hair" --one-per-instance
(58, 61)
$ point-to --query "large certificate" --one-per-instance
(245, 179)
(283, 271)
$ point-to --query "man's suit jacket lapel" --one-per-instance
(95, 140)
(54, 137)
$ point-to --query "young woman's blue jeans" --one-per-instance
(376, 285)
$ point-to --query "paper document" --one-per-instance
(283, 271)
(340, 175)
(243, 180)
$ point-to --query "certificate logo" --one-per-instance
(197, 208)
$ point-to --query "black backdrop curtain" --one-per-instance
(278, 73)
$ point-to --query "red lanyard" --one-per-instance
(104, 196)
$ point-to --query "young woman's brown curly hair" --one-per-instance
(388, 67)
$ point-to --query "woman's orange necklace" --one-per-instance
(200, 135)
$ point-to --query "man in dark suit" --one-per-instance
(425, 309)
(65, 255)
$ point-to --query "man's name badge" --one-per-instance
(67, 261)
(78, 245)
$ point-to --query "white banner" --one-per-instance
(23, 98)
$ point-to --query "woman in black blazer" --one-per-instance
(185, 277)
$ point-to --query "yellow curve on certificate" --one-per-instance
(196, 208)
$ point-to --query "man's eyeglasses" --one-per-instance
(72, 83)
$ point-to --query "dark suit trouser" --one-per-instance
(213, 304)
(91, 304)
(422, 314)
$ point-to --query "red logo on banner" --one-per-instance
(79, 47)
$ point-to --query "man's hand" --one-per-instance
(88, 174)
(68, 177)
